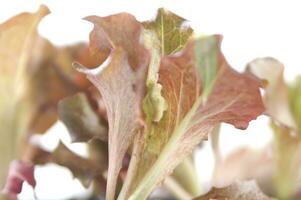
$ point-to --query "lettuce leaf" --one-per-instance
(193, 110)
(17, 37)
(270, 71)
(121, 84)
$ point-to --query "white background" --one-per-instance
(251, 29)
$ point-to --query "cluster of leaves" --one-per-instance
(142, 95)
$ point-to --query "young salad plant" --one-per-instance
(142, 96)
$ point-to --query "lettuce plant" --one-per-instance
(142, 96)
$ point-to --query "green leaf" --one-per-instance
(295, 101)
(286, 143)
(207, 65)
(170, 30)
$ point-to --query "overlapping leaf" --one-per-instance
(167, 34)
(163, 36)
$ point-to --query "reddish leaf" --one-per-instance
(121, 83)
(19, 172)
(247, 190)
(194, 108)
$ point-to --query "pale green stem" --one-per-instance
(185, 173)
(175, 188)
